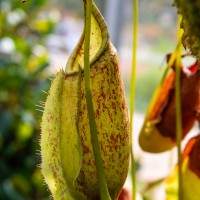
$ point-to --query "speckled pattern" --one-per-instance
(74, 171)
(190, 10)
(112, 125)
(61, 149)
(59, 142)
(50, 143)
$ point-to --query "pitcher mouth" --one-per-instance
(75, 60)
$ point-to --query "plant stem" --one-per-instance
(132, 93)
(104, 194)
(178, 113)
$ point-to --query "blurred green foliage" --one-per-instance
(23, 76)
(146, 83)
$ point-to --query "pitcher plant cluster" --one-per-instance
(86, 142)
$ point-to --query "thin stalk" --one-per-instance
(132, 93)
(104, 194)
(178, 113)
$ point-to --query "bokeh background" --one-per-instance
(36, 39)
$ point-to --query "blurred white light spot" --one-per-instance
(39, 50)
(55, 15)
(7, 45)
(16, 16)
